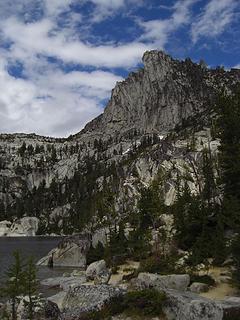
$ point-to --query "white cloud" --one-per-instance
(159, 30)
(49, 100)
(56, 44)
(53, 102)
(214, 19)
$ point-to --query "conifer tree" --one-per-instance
(30, 287)
(228, 130)
(14, 286)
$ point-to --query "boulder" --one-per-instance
(103, 277)
(27, 226)
(190, 306)
(198, 287)
(70, 252)
(231, 308)
(58, 299)
(64, 282)
(87, 298)
(159, 282)
(98, 272)
(51, 311)
(4, 227)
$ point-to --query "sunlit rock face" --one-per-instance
(148, 126)
(24, 227)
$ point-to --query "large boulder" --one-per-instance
(231, 308)
(190, 306)
(159, 282)
(70, 252)
(98, 272)
(87, 298)
(63, 283)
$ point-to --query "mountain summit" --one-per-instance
(158, 119)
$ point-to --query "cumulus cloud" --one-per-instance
(214, 19)
(56, 44)
(159, 30)
(53, 103)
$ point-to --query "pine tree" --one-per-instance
(30, 287)
(228, 130)
(14, 286)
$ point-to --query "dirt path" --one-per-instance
(124, 269)
(222, 288)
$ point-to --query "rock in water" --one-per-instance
(71, 252)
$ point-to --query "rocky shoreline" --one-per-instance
(92, 287)
(80, 295)
(89, 289)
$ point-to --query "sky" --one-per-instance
(60, 59)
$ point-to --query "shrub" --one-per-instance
(202, 279)
(95, 254)
(148, 302)
(159, 264)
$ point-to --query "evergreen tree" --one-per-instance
(14, 286)
(30, 288)
(22, 149)
(228, 130)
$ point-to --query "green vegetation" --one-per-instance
(15, 284)
(21, 284)
(148, 302)
(202, 279)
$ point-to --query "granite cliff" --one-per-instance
(158, 120)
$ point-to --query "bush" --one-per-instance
(95, 254)
(202, 279)
(147, 302)
(159, 264)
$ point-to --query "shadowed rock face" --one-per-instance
(164, 96)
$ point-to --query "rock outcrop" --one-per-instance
(24, 227)
(71, 252)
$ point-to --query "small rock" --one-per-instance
(98, 272)
(198, 287)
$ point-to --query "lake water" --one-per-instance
(37, 247)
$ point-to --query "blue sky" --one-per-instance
(59, 59)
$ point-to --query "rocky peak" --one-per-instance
(160, 96)
(125, 146)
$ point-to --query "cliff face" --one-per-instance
(148, 125)
(162, 95)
